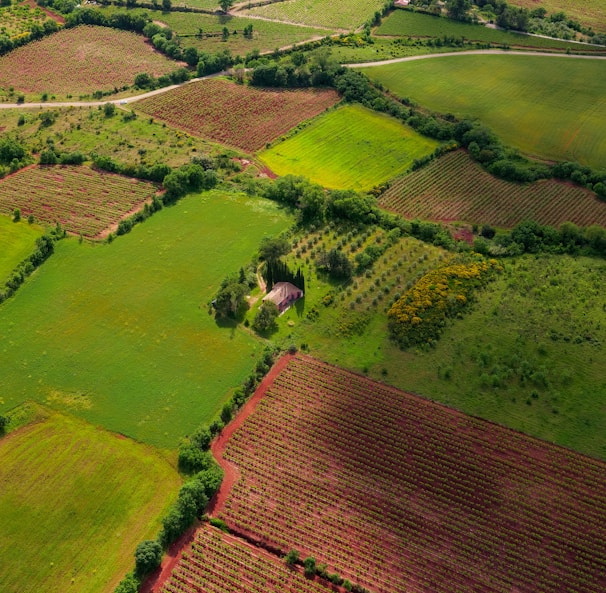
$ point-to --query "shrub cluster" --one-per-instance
(419, 317)
(48, 27)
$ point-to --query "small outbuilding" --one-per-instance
(283, 294)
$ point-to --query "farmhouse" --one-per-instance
(401, 3)
(283, 294)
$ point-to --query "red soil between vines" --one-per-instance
(156, 580)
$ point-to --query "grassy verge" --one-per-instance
(119, 334)
(90, 493)
(349, 148)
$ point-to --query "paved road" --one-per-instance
(474, 52)
(128, 100)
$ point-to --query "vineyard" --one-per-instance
(590, 13)
(81, 60)
(397, 493)
(221, 563)
(84, 201)
(349, 148)
(454, 187)
(236, 115)
(338, 14)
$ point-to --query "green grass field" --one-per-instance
(350, 147)
(549, 107)
(416, 24)
(75, 502)
(17, 241)
(590, 13)
(339, 14)
(120, 335)
(529, 355)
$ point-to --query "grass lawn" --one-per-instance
(75, 502)
(17, 241)
(549, 107)
(349, 148)
(529, 355)
(120, 335)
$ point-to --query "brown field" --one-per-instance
(80, 61)
(83, 200)
(455, 188)
(236, 115)
(397, 493)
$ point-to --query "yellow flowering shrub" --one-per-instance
(420, 315)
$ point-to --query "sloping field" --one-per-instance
(454, 187)
(17, 241)
(416, 24)
(83, 200)
(349, 148)
(240, 116)
(397, 493)
(221, 563)
(75, 502)
(120, 335)
(81, 60)
(590, 13)
(338, 14)
(551, 107)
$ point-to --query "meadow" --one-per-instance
(17, 242)
(454, 187)
(239, 116)
(124, 137)
(389, 489)
(591, 13)
(119, 333)
(75, 501)
(415, 24)
(84, 201)
(528, 355)
(517, 97)
(80, 61)
(338, 14)
(349, 148)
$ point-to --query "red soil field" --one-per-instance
(80, 61)
(397, 493)
(240, 116)
(454, 187)
(83, 200)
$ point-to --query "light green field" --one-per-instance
(75, 502)
(340, 14)
(590, 13)
(17, 241)
(549, 107)
(120, 335)
(529, 354)
(416, 24)
(349, 148)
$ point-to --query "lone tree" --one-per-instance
(458, 9)
(226, 4)
(148, 556)
(265, 319)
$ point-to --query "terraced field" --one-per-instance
(454, 187)
(349, 148)
(240, 116)
(517, 97)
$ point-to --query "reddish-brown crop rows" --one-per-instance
(221, 563)
(81, 199)
(397, 493)
(456, 188)
(81, 60)
(240, 116)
